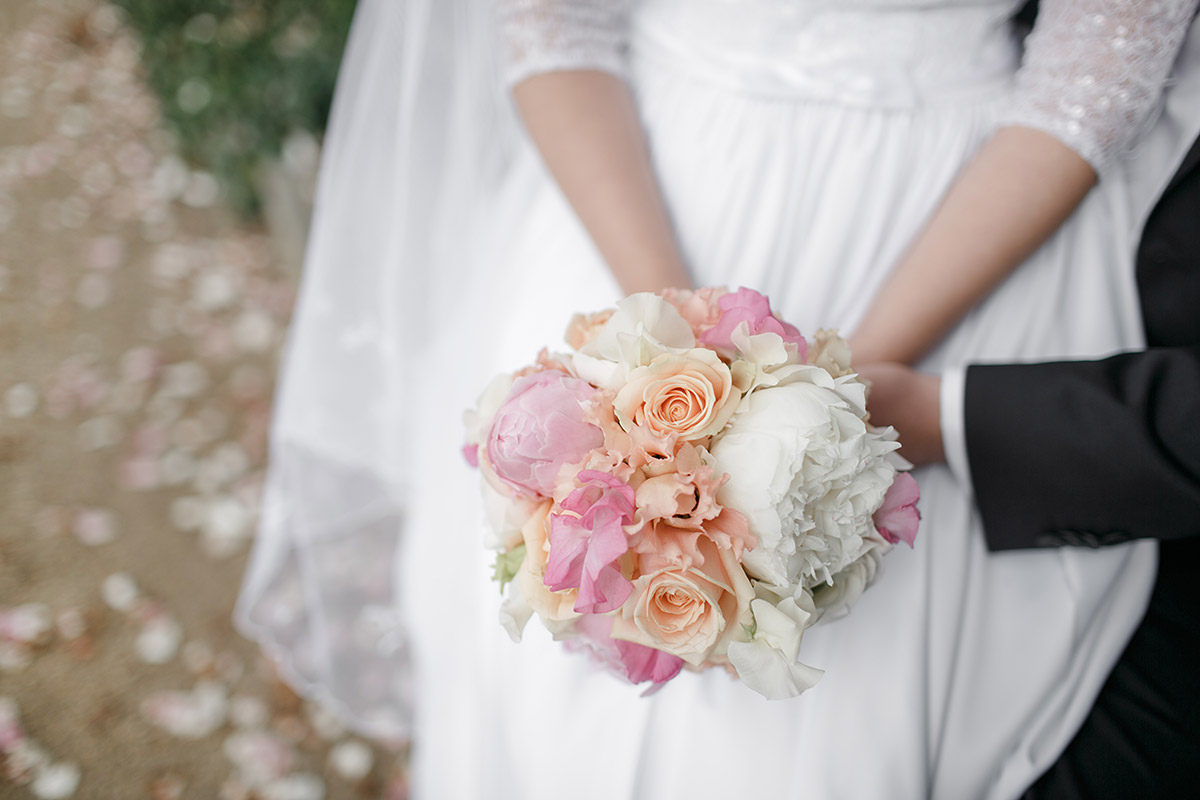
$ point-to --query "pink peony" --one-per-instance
(748, 306)
(587, 537)
(896, 520)
(539, 428)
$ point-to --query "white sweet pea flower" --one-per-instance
(763, 360)
(808, 474)
(643, 327)
(599, 372)
(515, 612)
(641, 320)
(478, 420)
(767, 663)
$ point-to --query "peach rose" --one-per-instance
(690, 394)
(692, 612)
(552, 607)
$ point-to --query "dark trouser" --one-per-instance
(1140, 739)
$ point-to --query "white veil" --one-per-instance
(420, 136)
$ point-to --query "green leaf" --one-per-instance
(258, 95)
(507, 564)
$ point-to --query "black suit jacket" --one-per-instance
(1092, 453)
(1097, 452)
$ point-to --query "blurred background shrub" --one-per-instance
(240, 79)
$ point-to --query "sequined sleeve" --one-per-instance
(547, 35)
(1094, 71)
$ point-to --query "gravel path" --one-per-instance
(139, 331)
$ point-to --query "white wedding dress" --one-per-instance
(800, 145)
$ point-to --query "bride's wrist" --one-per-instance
(654, 276)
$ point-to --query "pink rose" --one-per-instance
(587, 536)
(690, 394)
(748, 306)
(897, 519)
(691, 612)
(539, 428)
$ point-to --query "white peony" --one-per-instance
(478, 420)
(834, 600)
(808, 473)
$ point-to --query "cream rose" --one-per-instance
(691, 612)
(689, 394)
(554, 608)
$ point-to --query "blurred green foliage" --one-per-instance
(237, 76)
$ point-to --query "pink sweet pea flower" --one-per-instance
(471, 454)
(539, 428)
(896, 520)
(587, 536)
(636, 662)
(643, 663)
(751, 307)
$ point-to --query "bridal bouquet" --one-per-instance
(694, 484)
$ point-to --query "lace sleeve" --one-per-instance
(546, 35)
(1094, 71)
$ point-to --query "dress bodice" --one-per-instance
(886, 54)
(1091, 73)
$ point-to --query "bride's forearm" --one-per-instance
(586, 126)
(1008, 200)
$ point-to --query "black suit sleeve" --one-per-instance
(1087, 452)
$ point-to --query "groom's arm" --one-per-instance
(1089, 452)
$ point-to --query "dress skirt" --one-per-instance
(959, 674)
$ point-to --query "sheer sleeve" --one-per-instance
(1094, 71)
(546, 35)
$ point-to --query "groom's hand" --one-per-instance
(908, 401)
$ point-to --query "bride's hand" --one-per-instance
(908, 401)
